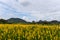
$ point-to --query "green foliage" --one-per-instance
(21, 21)
(29, 33)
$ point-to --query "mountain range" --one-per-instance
(13, 20)
(16, 20)
(21, 21)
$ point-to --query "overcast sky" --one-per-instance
(30, 9)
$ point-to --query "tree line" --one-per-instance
(11, 21)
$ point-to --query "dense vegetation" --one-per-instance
(21, 21)
(19, 29)
(29, 32)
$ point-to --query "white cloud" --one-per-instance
(26, 18)
(40, 9)
(22, 0)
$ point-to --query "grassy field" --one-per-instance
(29, 32)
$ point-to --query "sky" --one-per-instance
(30, 10)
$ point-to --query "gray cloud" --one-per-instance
(25, 4)
(41, 9)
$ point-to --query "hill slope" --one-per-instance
(16, 20)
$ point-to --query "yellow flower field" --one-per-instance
(29, 32)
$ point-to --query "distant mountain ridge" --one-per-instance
(18, 20)
(12, 20)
